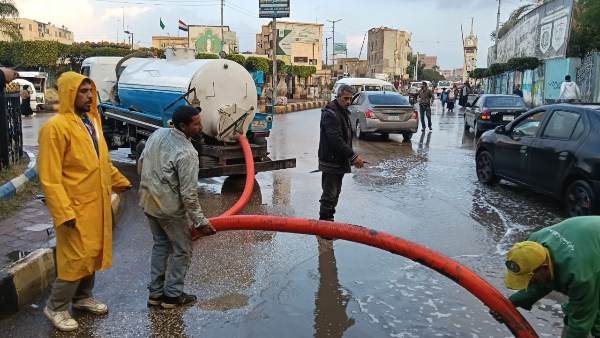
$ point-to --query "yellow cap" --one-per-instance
(521, 260)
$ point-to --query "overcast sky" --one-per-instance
(435, 24)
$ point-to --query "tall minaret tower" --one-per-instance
(470, 53)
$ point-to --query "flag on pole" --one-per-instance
(183, 26)
(162, 25)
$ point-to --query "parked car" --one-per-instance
(491, 110)
(552, 149)
(383, 113)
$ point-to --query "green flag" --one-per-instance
(162, 25)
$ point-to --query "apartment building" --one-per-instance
(387, 53)
(298, 43)
(33, 30)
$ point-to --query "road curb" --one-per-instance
(25, 280)
(15, 185)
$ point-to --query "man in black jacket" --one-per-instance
(335, 150)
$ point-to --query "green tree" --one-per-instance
(238, 58)
(206, 56)
(411, 67)
(431, 75)
(8, 27)
(254, 63)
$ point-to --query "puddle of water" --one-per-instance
(225, 303)
(15, 256)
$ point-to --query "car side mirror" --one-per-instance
(500, 130)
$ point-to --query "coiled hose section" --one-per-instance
(460, 274)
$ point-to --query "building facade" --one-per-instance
(350, 67)
(162, 42)
(428, 60)
(298, 43)
(388, 51)
(208, 39)
(470, 54)
(32, 30)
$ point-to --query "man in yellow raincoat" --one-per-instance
(77, 177)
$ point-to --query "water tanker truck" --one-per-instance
(138, 95)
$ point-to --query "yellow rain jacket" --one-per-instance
(77, 184)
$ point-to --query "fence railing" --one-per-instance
(11, 132)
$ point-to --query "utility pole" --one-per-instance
(333, 42)
(497, 30)
(417, 68)
(222, 36)
(327, 50)
(274, 48)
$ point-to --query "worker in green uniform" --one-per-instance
(564, 257)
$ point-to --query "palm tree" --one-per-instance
(8, 27)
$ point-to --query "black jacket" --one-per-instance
(335, 143)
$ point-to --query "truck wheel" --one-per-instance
(407, 136)
(385, 136)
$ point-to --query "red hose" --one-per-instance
(466, 278)
(460, 274)
(241, 203)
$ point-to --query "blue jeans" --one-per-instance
(425, 109)
(332, 187)
(166, 233)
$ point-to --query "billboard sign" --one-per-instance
(339, 47)
(541, 33)
(273, 8)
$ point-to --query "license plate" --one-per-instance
(508, 118)
(259, 125)
(394, 117)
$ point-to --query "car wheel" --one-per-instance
(484, 165)
(580, 199)
(407, 136)
(477, 130)
(466, 125)
(359, 133)
(385, 136)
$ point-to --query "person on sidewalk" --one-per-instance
(336, 156)
(569, 91)
(426, 98)
(77, 176)
(564, 258)
(169, 196)
(25, 101)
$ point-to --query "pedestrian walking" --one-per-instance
(25, 101)
(517, 91)
(452, 94)
(444, 98)
(426, 99)
(563, 258)
(336, 155)
(464, 94)
(569, 91)
(168, 171)
(77, 177)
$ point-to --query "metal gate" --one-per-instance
(586, 76)
(11, 133)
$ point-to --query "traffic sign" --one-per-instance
(273, 8)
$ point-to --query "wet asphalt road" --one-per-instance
(263, 284)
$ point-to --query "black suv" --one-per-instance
(554, 149)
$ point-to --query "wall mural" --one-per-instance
(543, 33)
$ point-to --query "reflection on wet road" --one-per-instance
(263, 284)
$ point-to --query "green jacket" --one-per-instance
(574, 247)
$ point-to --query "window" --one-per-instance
(358, 99)
(561, 125)
(530, 125)
(387, 99)
(504, 102)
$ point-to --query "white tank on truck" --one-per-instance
(144, 92)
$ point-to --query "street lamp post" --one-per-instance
(131, 37)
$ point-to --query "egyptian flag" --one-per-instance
(183, 26)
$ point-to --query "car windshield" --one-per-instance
(387, 99)
(504, 102)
